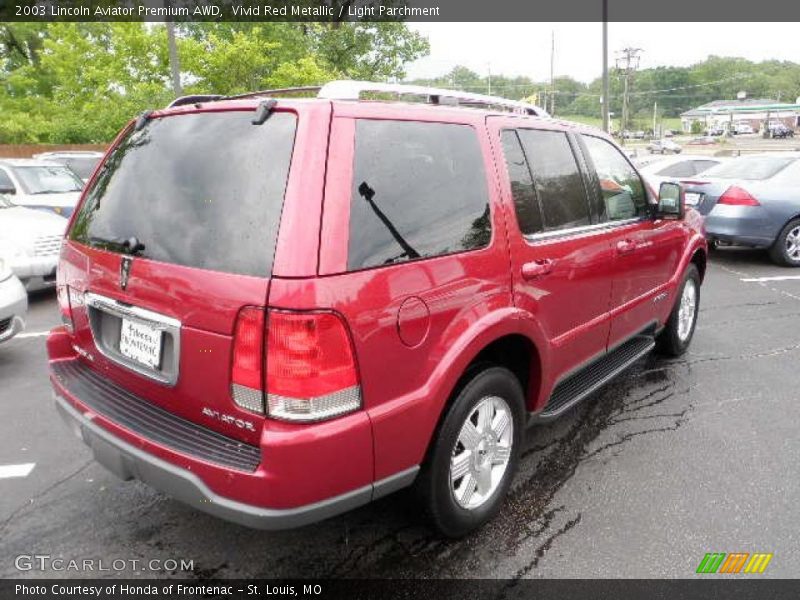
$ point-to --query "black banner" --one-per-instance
(721, 588)
(711, 11)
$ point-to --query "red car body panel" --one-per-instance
(415, 326)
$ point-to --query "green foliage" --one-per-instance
(697, 127)
(674, 89)
(80, 82)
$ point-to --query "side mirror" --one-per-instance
(670, 201)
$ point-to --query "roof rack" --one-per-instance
(353, 90)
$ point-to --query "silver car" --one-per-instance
(13, 303)
(753, 201)
(30, 242)
(40, 184)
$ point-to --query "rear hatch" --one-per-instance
(176, 235)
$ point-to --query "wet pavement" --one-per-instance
(676, 458)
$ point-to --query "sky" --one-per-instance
(524, 48)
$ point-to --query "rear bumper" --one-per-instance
(128, 462)
(745, 225)
(13, 306)
(210, 472)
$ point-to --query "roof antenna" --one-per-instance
(263, 111)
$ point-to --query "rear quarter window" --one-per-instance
(419, 190)
(201, 190)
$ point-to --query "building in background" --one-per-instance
(726, 114)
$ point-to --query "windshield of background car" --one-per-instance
(48, 180)
(749, 168)
(201, 190)
(81, 166)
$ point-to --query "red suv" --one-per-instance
(276, 310)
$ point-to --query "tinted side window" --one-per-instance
(419, 190)
(526, 204)
(621, 187)
(5, 181)
(558, 181)
(685, 168)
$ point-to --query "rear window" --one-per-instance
(202, 190)
(419, 190)
(682, 169)
(749, 167)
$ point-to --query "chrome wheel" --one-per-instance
(687, 310)
(482, 452)
(793, 243)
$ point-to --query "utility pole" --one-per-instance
(606, 98)
(174, 63)
(627, 62)
(489, 79)
(655, 114)
(552, 73)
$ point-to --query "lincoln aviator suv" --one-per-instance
(276, 309)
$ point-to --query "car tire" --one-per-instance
(676, 336)
(786, 249)
(455, 502)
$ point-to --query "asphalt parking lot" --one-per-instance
(675, 459)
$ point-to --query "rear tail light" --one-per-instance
(311, 370)
(65, 306)
(310, 374)
(736, 196)
(247, 377)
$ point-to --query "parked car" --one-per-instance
(779, 130)
(703, 140)
(753, 201)
(663, 147)
(81, 162)
(679, 168)
(716, 131)
(32, 241)
(274, 360)
(742, 128)
(13, 302)
(40, 185)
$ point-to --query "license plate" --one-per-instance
(693, 198)
(141, 343)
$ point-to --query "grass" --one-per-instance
(673, 123)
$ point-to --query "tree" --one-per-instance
(80, 82)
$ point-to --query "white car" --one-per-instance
(13, 303)
(30, 242)
(82, 162)
(742, 128)
(664, 146)
(676, 168)
(40, 184)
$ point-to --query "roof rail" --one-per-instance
(278, 92)
(194, 99)
(352, 90)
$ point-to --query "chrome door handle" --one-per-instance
(537, 268)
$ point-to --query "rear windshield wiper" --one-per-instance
(131, 245)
